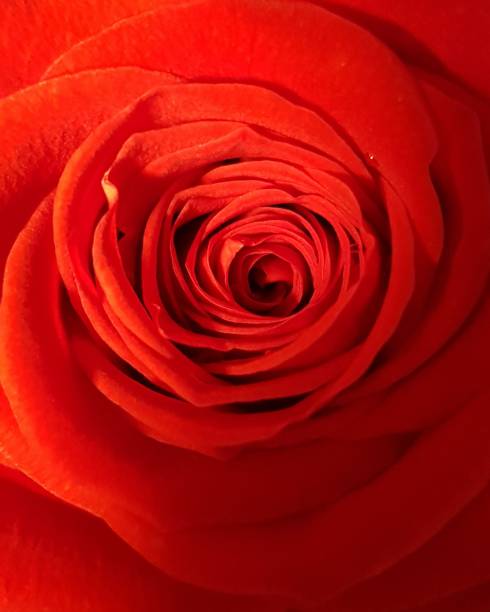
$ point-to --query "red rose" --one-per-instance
(245, 316)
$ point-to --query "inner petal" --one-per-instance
(270, 271)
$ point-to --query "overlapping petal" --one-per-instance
(260, 273)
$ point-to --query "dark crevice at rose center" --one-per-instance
(265, 283)
(271, 280)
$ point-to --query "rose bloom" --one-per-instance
(245, 318)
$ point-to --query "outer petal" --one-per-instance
(432, 573)
(311, 555)
(53, 557)
(34, 33)
(33, 152)
(449, 36)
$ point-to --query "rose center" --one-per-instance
(270, 278)
(269, 282)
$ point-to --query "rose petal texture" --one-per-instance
(245, 312)
(28, 27)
